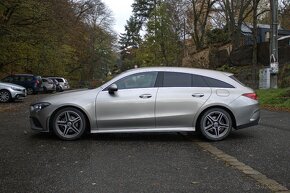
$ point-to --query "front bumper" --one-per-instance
(39, 121)
(15, 94)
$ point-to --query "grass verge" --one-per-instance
(275, 99)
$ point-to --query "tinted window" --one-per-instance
(217, 83)
(44, 80)
(140, 80)
(59, 80)
(176, 79)
(7, 79)
(198, 81)
(235, 79)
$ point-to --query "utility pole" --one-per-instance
(274, 65)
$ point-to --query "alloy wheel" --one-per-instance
(4, 96)
(69, 124)
(29, 91)
(216, 124)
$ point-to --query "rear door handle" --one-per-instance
(145, 96)
(198, 95)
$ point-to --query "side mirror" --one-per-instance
(112, 88)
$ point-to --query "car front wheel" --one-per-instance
(215, 124)
(69, 123)
(5, 96)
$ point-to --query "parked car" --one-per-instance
(48, 85)
(152, 100)
(10, 92)
(63, 83)
(56, 83)
(31, 82)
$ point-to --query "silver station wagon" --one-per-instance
(158, 99)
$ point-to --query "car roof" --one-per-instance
(24, 75)
(198, 71)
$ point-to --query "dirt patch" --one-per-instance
(271, 108)
(19, 104)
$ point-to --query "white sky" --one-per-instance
(122, 10)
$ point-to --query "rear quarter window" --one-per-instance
(212, 82)
(235, 79)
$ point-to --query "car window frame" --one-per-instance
(153, 85)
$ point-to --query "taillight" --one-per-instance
(251, 96)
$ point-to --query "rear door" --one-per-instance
(178, 99)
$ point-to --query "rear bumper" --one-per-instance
(253, 121)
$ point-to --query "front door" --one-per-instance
(131, 107)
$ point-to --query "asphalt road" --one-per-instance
(33, 162)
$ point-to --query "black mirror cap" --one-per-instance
(112, 88)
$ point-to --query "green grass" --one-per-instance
(276, 98)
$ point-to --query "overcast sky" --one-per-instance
(121, 12)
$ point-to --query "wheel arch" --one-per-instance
(4, 89)
(212, 107)
(88, 127)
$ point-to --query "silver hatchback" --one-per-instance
(9, 91)
(159, 99)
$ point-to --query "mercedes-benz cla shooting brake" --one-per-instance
(151, 100)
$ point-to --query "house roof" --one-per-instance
(284, 37)
(246, 28)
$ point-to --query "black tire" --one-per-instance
(5, 96)
(44, 89)
(69, 123)
(215, 124)
(30, 91)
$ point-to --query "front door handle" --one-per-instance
(198, 95)
(145, 96)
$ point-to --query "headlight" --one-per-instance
(16, 89)
(38, 106)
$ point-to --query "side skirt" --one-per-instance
(145, 130)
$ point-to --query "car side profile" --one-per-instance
(158, 99)
(9, 92)
(31, 82)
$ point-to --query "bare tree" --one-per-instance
(197, 20)
(235, 13)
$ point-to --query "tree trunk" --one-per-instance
(255, 33)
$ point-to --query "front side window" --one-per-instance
(140, 80)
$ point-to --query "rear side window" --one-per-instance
(176, 79)
(198, 81)
(27, 78)
(59, 80)
(217, 83)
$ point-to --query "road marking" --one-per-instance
(249, 171)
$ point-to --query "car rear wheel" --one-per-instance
(5, 96)
(69, 123)
(29, 91)
(215, 124)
